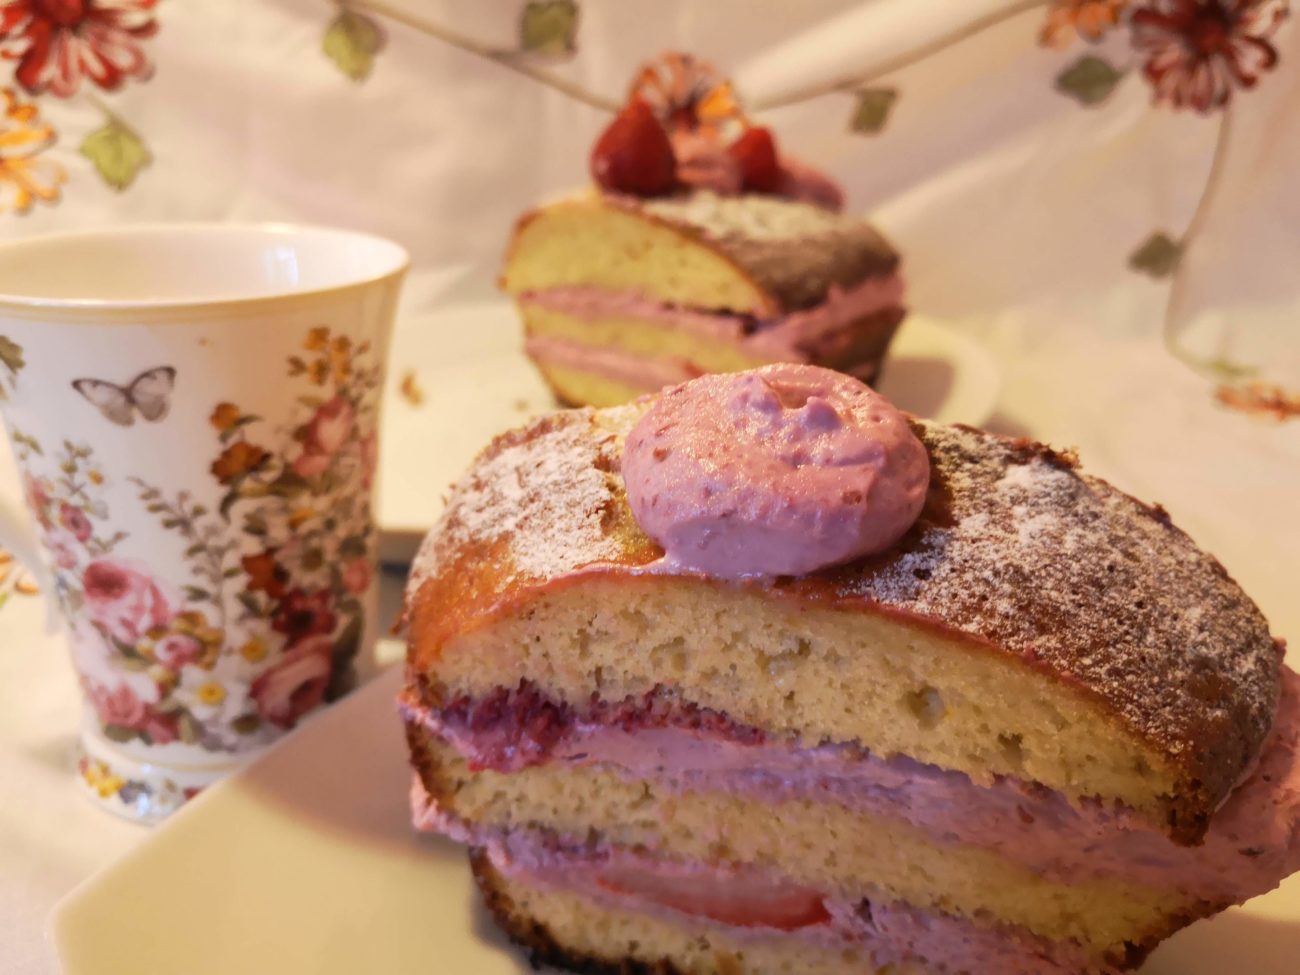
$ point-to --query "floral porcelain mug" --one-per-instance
(194, 414)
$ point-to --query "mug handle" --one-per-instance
(18, 538)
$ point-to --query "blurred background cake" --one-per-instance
(701, 248)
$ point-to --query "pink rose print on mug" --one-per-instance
(267, 624)
(325, 434)
(198, 463)
(74, 520)
(295, 685)
(119, 706)
(123, 601)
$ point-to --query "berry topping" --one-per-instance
(634, 154)
(755, 153)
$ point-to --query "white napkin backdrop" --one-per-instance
(1001, 190)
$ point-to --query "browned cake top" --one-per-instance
(795, 251)
(1015, 548)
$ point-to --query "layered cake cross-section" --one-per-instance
(699, 249)
(760, 675)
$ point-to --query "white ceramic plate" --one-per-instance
(467, 362)
(305, 864)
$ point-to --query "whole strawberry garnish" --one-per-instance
(755, 154)
(634, 155)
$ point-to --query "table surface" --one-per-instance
(1138, 418)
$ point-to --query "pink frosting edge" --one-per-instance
(1252, 845)
(784, 339)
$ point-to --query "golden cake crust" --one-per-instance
(1016, 553)
(792, 253)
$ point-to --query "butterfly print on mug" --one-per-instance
(148, 394)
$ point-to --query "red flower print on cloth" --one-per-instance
(326, 432)
(301, 615)
(296, 684)
(57, 43)
(1198, 50)
(25, 177)
(124, 601)
(1089, 19)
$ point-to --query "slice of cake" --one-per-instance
(700, 250)
(758, 675)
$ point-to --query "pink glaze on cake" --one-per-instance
(818, 330)
(1253, 841)
(780, 471)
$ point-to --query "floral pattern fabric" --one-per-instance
(58, 43)
(25, 177)
(59, 49)
(1198, 53)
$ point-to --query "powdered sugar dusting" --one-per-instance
(1058, 567)
(1014, 547)
(762, 218)
(547, 491)
(796, 251)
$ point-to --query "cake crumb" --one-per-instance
(1261, 400)
(411, 389)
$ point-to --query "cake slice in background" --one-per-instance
(757, 675)
(700, 249)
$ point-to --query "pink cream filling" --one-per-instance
(1253, 842)
(794, 337)
(627, 368)
(753, 904)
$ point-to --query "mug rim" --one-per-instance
(398, 263)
